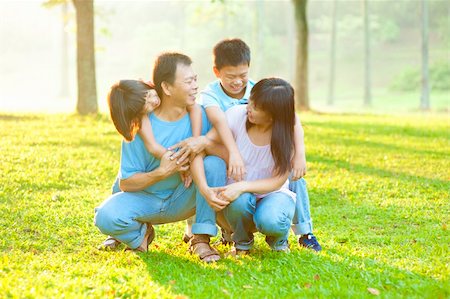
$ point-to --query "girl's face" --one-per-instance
(151, 101)
(257, 116)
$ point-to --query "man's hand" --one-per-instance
(169, 166)
(191, 145)
(298, 167)
(236, 167)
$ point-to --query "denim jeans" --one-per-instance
(301, 223)
(125, 215)
(271, 216)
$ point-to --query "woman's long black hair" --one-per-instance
(275, 96)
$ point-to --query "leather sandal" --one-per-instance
(109, 244)
(199, 245)
(150, 235)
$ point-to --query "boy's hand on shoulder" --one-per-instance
(298, 167)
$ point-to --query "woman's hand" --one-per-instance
(298, 167)
(230, 192)
(213, 200)
(236, 167)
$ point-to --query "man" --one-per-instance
(153, 192)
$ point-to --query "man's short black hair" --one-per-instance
(231, 52)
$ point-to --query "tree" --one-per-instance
(367, 83)
(424, 99)
(301, 78)
(87, 88)
(332, 55)
(64, 89)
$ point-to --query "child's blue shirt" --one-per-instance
(214, 96)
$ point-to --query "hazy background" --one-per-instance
(129, 34)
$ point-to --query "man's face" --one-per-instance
(185, 87)
(233, 79)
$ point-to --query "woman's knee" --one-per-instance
(272, 223)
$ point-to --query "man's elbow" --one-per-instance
(124, 186)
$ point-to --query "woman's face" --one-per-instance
(151, 101)
(256, 115)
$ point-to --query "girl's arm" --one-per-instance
(195, 114)
(236, 166)
(233, 191)
(299, 161)
(147, 136)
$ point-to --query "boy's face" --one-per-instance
(233, 79)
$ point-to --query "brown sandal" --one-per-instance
(199, 245)
(149, 235)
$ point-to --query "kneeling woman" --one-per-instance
(264, 134)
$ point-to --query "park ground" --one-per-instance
(379, 189)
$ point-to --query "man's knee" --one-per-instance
(108, 220)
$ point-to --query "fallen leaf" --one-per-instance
(373, 291)
(246, 286)
(444, 226)
(307, 285)
(225, 291)
(316, 277)
(172, 281)
(229, 273)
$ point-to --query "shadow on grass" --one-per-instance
(17, 118)
(372, 171)
(275, 275)
(380, 129)
(385, 147)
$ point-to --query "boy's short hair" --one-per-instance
(231, 52)
(165, 68)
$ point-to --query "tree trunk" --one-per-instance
(301, 80)
(332, 55)
(367, 83)
(64, 91)
(87, 90)
(425, 97)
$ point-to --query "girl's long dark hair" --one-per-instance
(126, 100)
(275, 96)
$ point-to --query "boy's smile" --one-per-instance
(233, 79)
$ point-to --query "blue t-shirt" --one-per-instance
(214, 96)
(135, 158)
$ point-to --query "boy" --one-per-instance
(231, 67)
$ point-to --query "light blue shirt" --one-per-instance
(214, 96)
(135, 158)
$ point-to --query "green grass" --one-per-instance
(379, 189)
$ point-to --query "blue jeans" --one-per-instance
(301, 223)
(124, 214)
(271, 216)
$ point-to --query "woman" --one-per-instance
(264, 134)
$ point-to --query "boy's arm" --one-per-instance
(147, 136)
(299, 161)
(195, 114)
(236, 167)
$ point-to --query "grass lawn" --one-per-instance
(379, 189)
